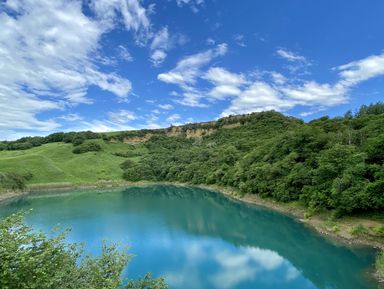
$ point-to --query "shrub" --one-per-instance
(87, 147)
(378, 231)
(380, 265)
(13, 181)
(358, 230)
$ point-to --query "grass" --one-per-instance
(55, 163)
(380, 265)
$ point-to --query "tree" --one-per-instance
(31, 260)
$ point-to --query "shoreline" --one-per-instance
(336, 229)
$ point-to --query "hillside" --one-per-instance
(334, 164)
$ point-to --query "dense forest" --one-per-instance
(327, 163)
(334, 164)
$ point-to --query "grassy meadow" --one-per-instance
(56, 163)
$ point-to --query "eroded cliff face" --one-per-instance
(138, 140)
(190, 133)
(206, 129)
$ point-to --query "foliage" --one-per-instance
(358, 230)
(380, 265)
(26, 143)
(87, 147)
(30, 260)
(13, 181)
(334, 164)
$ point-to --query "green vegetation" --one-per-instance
(87, 147)
(380, 265)
(327, 164)
(13, 182)
(56, 163)
(30, 259)
(334, 164)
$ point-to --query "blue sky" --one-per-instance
(106, 65)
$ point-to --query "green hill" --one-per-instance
(334, 164)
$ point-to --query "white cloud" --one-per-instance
(187, 69)
(192, 99)
(160, 44)
(122, 116)
(211, 41)
(161, 39)
(290, 56)
(157, 57)
(134, 16)
(71, 117)
(220, 76)
(223, 91)
(277, 92)
(225, 83)
(172, 118)
(278, 78)
(49, 51)
(239, 39)
(124, 53)
(357, 71)
(259, 96)
(298, 64)
(166, 106)
(102, 126)
(194, 4)
(313, 93)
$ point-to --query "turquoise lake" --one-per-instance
(200, 239)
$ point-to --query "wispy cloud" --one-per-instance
(134, 15)
(195, 5)
(174, 117)
(188, 70)
(298, 64)
(166, 106)
(122, 116)
(159, 46)
(49, 55)
(290, 56)
(124, 53)
(284, 95)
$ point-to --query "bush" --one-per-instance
(127, 154)
(378, 231)
(13, 181)
(380, 265)
(78, 140)
(127, 164)
(87, 147)
(358, 230)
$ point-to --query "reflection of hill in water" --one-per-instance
(206, 213)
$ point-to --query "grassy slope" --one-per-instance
(55, 163)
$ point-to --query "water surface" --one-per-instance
(200, 239)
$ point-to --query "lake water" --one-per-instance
(200, 239)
